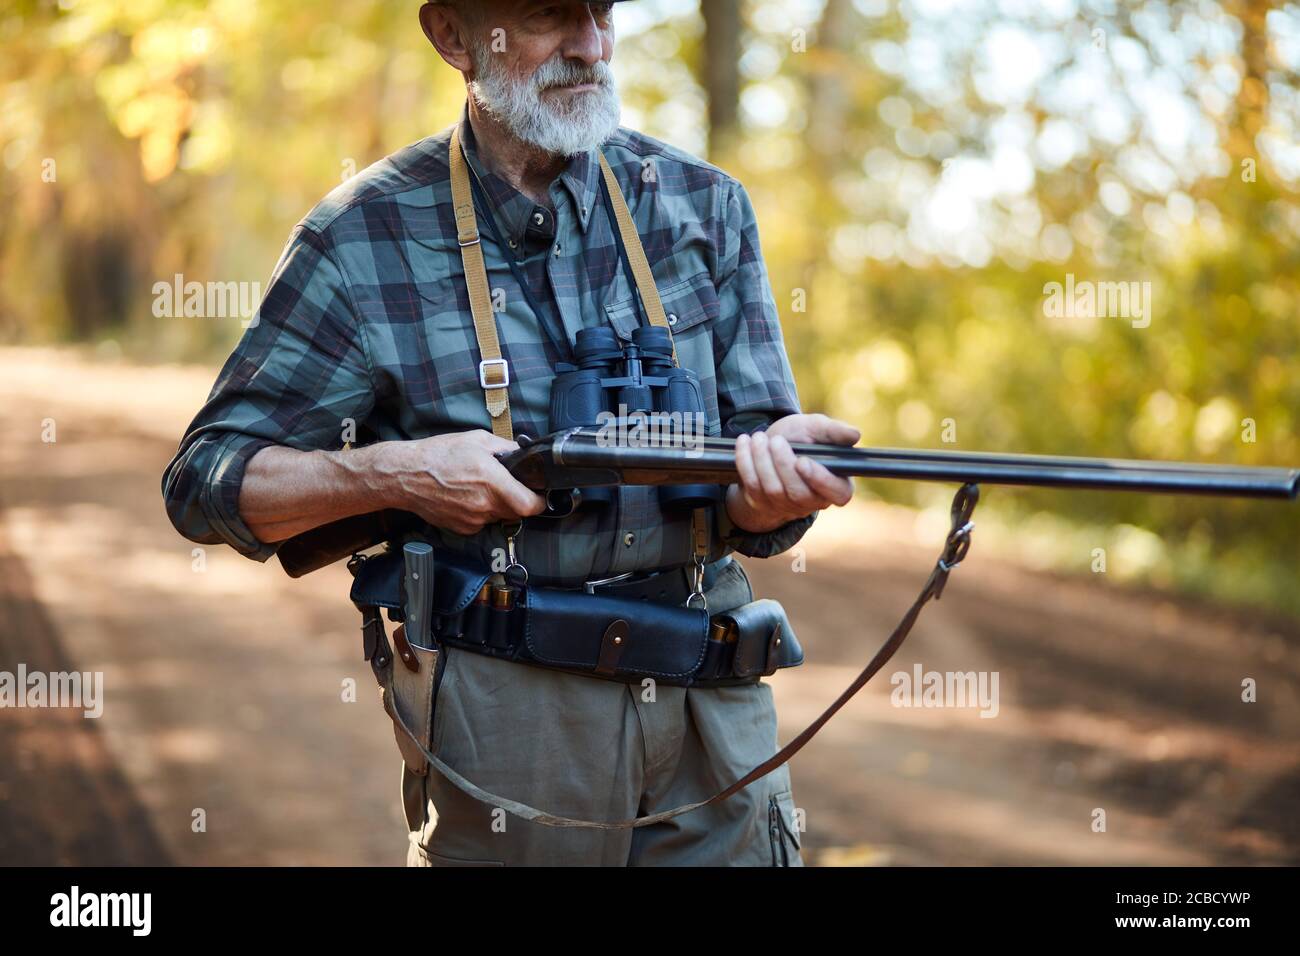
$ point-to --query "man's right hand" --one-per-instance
(454, 481)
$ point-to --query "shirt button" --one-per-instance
(513, 244)
(628, 539)
(672, 318)
(557, 248)
(539, 219)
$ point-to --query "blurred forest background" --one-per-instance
(921, 169)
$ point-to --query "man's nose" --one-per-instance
(585, 40)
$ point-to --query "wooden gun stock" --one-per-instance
(313, 550)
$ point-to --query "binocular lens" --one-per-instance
(594, 342)
(654, 339)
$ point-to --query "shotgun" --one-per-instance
(560, 465)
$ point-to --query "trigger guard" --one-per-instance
(561, 502)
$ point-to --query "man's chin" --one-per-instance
(568, 137)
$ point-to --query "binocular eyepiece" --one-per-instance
(601, 348)
(614, 380)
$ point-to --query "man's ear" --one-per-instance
(443, 26)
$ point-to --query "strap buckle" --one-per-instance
(482, 373)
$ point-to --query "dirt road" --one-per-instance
(240, 726)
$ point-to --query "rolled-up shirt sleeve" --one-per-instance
(755, 383)
(298, 377)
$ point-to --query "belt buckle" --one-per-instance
(590, 586)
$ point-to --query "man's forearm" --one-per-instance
(286, 492)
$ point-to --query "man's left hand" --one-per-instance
(776, 485)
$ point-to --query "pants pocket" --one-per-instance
(782, 830)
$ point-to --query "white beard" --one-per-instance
(561, 123)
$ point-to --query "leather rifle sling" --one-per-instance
(494, 373)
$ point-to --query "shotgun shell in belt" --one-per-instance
(484, 594)
(503, 598)
(722, 630)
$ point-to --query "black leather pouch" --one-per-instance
(378, 582)
(614, 637)
(765, 641)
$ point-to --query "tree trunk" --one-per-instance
(720, 72)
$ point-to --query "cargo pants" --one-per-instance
(600, 750)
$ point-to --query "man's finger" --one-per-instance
(768, 479)
(515, 500)
(491, 441)
(830, 488)
(832, 431)
(796, 489)
(750, 486)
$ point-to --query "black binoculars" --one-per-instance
(613, 381)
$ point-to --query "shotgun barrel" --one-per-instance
(712, 460)
(587, 458)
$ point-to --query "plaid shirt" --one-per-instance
(366, 325)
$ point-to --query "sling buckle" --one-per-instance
(495, 363)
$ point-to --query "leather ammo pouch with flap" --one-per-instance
(615, 638)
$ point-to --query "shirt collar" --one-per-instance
(580, 178)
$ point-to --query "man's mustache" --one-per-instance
(558, 71)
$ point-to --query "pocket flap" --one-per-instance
(567, 628)
(456, 580)
(379, 581)
(765, 641)
(686, 303)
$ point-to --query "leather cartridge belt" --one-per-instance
(627, 628)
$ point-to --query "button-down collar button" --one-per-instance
(672, 318)
(629, 539)
(539, 218)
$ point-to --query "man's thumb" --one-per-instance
(832, 431)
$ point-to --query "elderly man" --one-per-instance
(366, 384)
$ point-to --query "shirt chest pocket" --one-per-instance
(687, 304)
